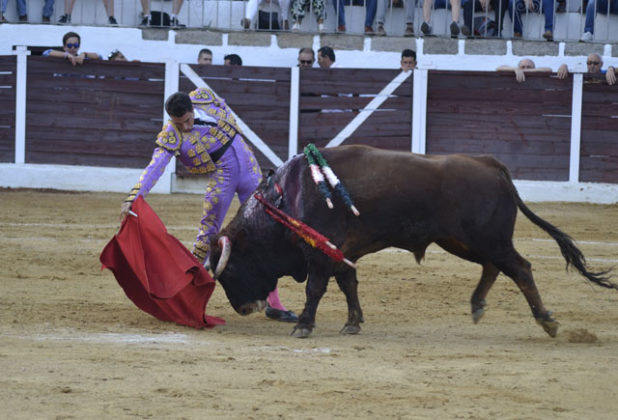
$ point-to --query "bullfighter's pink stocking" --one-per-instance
(273, 300)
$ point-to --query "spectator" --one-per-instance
(145, 13)
(147, 17)
(306, 58)
(590, 15)
(594, 64)
(176, 6)
(68, 9)
(370, 15)
(252, 9)
(340, 12)
(48, 10)
(21, 11)
(232, 60)
(441, 4)
(499, 6)
(408, 60)
(526, 65)
(521, 6)
(298, 13)
(204, 57)
(410, 7)
(71, 43)
(203, 133)
(116, 55)
(326, 58)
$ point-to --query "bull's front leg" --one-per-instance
(315, 289)
(348, 284)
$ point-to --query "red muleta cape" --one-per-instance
(157, 272)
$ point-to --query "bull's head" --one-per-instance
(249, 263)
(253, 251)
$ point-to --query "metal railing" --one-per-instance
(227, 15)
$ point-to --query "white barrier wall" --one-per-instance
(281, 52)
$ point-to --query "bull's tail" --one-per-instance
(572, 255)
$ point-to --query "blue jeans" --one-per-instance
(340, 11)
(370, 14)
(48, 8)
(21, 7)
(601, 8)
(520, 7)
(371, 6)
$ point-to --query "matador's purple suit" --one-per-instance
(214, 148)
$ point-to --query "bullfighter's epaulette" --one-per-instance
(204, 96)
(170, 138)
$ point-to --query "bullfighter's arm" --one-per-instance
(149, 177)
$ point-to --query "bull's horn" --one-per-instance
(226, 250)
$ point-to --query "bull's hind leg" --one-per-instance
(349, 286)
(518, 268)
(477, 302)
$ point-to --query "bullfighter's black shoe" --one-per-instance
(279, 315)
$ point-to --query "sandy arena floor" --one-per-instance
(72, 345)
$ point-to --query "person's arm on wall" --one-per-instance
(563, 71)
(610, 75)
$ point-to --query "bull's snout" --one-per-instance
(249, 308)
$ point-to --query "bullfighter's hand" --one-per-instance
(124, 210)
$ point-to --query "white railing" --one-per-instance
(226, 15)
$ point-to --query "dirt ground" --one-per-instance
(72, 345)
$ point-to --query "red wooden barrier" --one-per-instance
(99, 114)
(525, 125)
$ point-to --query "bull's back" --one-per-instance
(377, 174)
(414, 199)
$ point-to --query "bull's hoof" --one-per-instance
(550, 326)
(478, 310)
(477, 315)
(350, 329)
(301, 332)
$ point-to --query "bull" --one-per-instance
(466, 205)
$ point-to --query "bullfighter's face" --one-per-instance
(184, 123)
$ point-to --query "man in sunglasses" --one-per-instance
(306, 58)
(202, 132)
(594, 64)
(71, 42)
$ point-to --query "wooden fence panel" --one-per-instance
(99, 114)
(599, 134)
(330, 99)
(260, 96)
(525, 125)
(8, 66)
